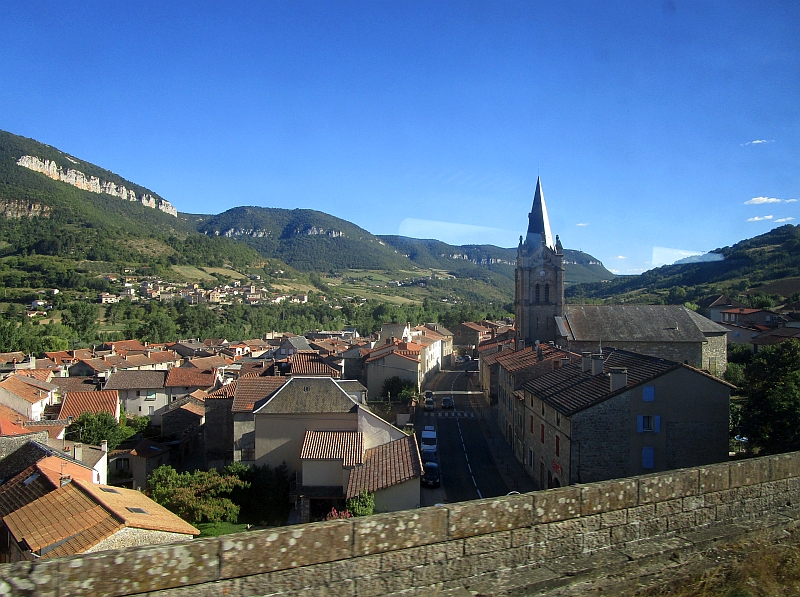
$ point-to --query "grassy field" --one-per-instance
(224, 271)
(192, 273)
(215, 529)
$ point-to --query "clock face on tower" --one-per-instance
(542, 273)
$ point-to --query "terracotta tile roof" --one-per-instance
(120, 345)
(775, 336)
(475, 326)
(164, 356)
(76, 384)
(12, 415)
(223, 392)
(61, 357)
(310, 363)
(45, 364)
(193, 408)
(9, 428)
(27, 388)
(189, 377)
(10, 357)
(77, 403)
(55, 429)
(136, 380)
(387, 465)
(24, 488)
(135, 360)
(199, 395)
(334, 445)
(98, 365)
(570, 390)
(84, 514)
(528, 357)
(250, 390)
(206, 363)
(40, 374)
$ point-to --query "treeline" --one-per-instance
(166, 322)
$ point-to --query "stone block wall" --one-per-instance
(537, 541)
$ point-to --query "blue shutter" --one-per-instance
(640, 423)
(657, 424)
(648, 456)
(649, 393)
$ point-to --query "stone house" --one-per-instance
(618, 414)
(131, 463)
(182, 381)
(141, 392)
(397, 359)
(468, 335)
(80, 517)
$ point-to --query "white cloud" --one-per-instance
(586, 224)
(762, 200)
(791, 201)
(758, 142)
(759, 218)
(784, 219)
(620, 257)
(614, 271)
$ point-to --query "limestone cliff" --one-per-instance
(78, 179)
(15, 209)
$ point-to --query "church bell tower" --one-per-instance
(539, 279)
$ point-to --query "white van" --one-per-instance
(429, 439)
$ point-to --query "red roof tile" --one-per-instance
(189, 377)
(387, 465)
(333, 445)
(77, 403)
(250, 390)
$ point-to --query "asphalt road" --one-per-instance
(467, 469)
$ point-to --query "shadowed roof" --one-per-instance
(637, 323)
(309, 395)
(250, 390)
(136, 380)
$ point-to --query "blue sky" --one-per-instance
(658, 128)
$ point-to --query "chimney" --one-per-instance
(619, 378)
(104, 446)
(77, 451)
(586, 361)
(65, 480)
(564, 361)
(597, 364)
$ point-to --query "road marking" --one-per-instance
(466, 458)
(469, 468)
(479, 494)
(473, 482)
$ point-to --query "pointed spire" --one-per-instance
(538, 222)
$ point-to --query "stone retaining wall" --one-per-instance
(535, 541)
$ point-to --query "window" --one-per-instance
(136, 510)
(542, 408)
(123, 464)
(648, 423)
(542, 434)
(558, 419)
(138, 393)
(547, 293)
(109, 490)
(140, 409)
(150, 396)
(150, 410)
(531, 457)
(649, 394)
(648, 457)
(558, 446)
(537, 293)
(531, 423)
(248, 453)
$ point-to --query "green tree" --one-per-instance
(771, 412)
(398, 388)
(90, 428)
(362, 505)
(82, 317)
(196, 497)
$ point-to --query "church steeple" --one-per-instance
(538, 222)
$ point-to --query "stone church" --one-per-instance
(665, 331)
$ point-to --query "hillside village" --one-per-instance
(573, 393)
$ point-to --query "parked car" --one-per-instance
(428, 455)
(447, 402)
(467, 358)
(428, 394)
(429, 439)
(430, 475)
(429, 404)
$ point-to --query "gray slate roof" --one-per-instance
(636, 323)
(136, 380)
(309, 395)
